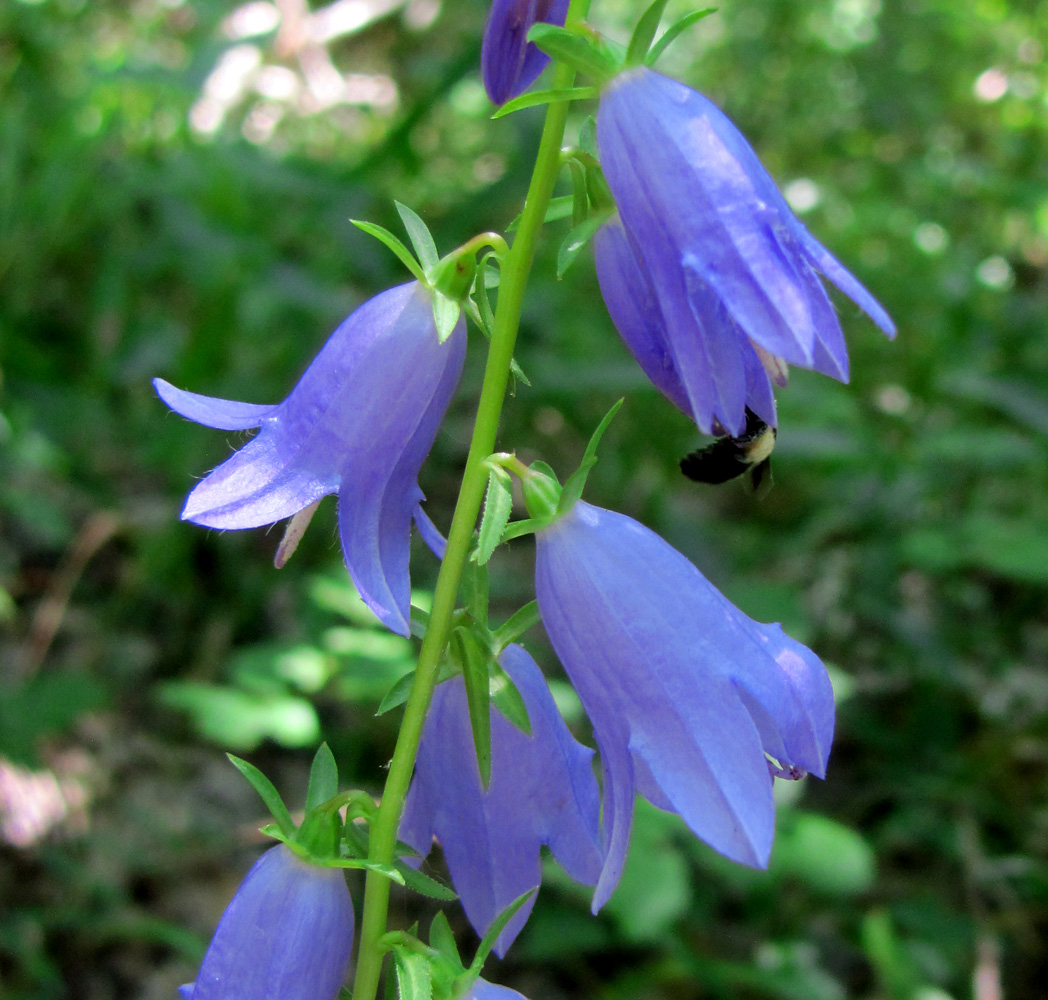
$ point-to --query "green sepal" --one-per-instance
(268, 793)
(577, 480)
(588, 137)
(475, 675)
(385, 237)
(489, 939)
(506, 697)
(673, 31)
(644, 33)
(389, 871)
(323, 778)
(518, 529)
(537, 97)
(579, 200)
(420, 236)
(442, 938)
(413, 978)
(586, 53)
(576, 240)
(320, 833)
(498, 505)
(541, 492)
(446, 314)
(516, 625)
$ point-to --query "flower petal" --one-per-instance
(222, 414)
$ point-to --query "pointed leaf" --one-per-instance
(475, 674)
(558, 208)
(537, 97)
(584, 52)
(388, 239)
(398, 693)
(446, 314)
(323, 778)
(577, 480)
(644, 33)
(392, 873)
(475, 585)
(425, 884)
(580, 201)
(575, 241)
(497, 927)
(268, 793)
(498, 505)
(507, 699)
(441, 937)
(413, 979)
(516, 625)
(673, 31)
(520, 528)
(420, 236)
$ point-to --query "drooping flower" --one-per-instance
(360, 423)
(634, 309)
(509, 62)
(733, 271)
(686, 694)
(287, 935)
(542, 792)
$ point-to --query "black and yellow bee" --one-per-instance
(730, 457)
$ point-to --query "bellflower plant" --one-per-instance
(728, 262)
(542, 792)
(686, 694)
(360, 423)
(287, 935)
(509, 62)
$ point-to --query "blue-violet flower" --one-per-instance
(685, 693)
(729, 265)
(359, 423)
(483, 990)
(542, 791)
(287, 935)
(509, 62)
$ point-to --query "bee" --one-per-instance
(730, 457)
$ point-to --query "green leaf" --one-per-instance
(577, 480)
(475, 585)
(446, 314)
(588, 136)
(420, 236)
(498, 505)
(392, 873)
(520, 528)
(413, 979)
(580, 202)
(489, 939)
(559, 208)
(673, 31)
(323, 778)
(644, 33)
(425, 884)
(398, 693)
(385, 237)
(537, 97)
(267, 792)
(475, 674)
(575, 241)
(419, 622)
(507, 699)
(441, 937)
(585, 52)
(516, 625)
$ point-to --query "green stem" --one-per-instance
(515, 271)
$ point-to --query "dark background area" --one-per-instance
(176, 179)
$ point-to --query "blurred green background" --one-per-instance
(176, 178)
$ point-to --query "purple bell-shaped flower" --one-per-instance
(733, 272)
(287, 935)
(542, 792)
(509, 62)
(688, 697)
(360, 423)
